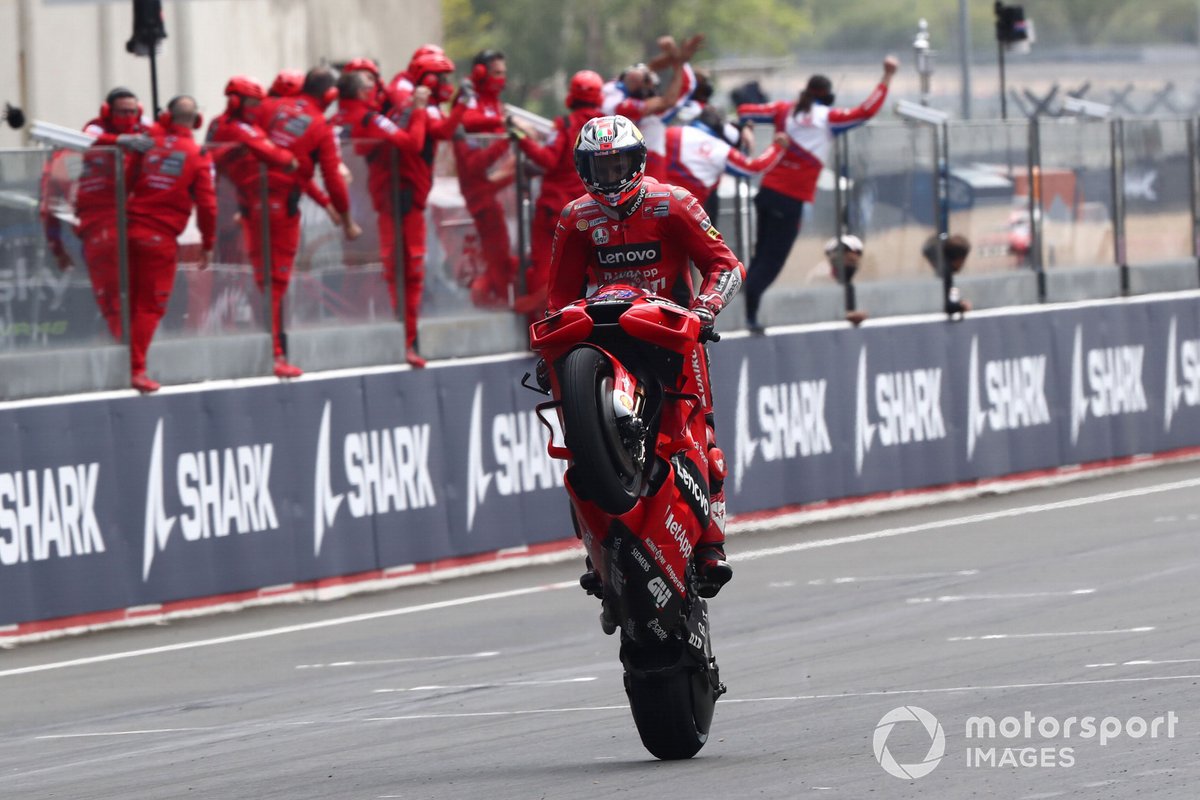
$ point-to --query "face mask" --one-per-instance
(496, 85)
(122, 123)
(827, 100)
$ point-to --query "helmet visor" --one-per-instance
(610, 172)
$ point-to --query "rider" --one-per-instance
(650, 231)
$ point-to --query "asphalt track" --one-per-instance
(503, 686)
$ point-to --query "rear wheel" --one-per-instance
(605, 467)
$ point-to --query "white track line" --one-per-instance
(996, 636)
(959, 598)
(120, 733)
(1007, 513)
(465, 686)
(880, 578)
(1145, 663)
(799, 697)
(308, 626)
(413, 659)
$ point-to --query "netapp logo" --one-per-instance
(791, 417)
(1114, 382)
(1183, 374)
(49, 514)
(630, 255)
(518, 448)
(387, 470)
(907, 404)
(219, 491)
(1016, 395)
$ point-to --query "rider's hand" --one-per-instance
(708, 321)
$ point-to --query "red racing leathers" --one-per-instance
(382, 142)
(96, 208)
(811, 133)
(651, 248)
(165, 183)
(560, 185)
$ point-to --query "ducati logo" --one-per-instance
(1015, 390)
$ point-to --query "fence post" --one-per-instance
(1194, 186)
(1036, 260)
(523, 219)
(1117, 145)
(841, 160)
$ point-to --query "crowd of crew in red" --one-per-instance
(287, 131)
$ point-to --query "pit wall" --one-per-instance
(120, 501)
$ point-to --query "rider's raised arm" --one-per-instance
(569, 260)
(722, 272)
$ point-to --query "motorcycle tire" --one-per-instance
(672, 711)
(603, 467)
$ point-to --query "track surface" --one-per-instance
(1032, 601)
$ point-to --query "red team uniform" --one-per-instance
(165, 183)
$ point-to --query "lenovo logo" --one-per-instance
(629, 255)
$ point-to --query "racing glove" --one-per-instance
(708, 321)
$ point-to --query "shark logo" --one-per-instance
(327, 503)
(158, 524)
(1016, 395)
(864, 429)
(1182, 357)
(518, 448)
(219, 492)
(907, 406)
(790, 416)
(386, 470)
(1113, 386)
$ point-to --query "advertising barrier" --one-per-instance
(120, 502)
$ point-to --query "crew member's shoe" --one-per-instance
(414, 359)
(144, 383)
(285, 370)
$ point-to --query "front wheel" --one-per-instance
(672, 711)
(605, 466)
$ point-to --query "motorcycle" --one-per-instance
(626, 372)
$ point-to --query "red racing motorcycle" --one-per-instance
(625, 370)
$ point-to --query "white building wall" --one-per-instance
(74, 50)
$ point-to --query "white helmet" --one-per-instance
(610, 157)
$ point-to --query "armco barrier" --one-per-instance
(117, 503)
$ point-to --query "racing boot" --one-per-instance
(712, 570)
